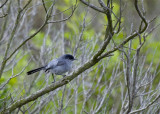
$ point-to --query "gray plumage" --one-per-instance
(57, 66)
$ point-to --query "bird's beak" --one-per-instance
(75, 59)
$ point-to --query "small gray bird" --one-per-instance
(57, 66)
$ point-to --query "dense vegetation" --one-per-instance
(116, 43)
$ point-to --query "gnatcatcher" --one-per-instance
(57, 66)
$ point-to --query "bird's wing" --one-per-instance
(54, 63)
(61, 63)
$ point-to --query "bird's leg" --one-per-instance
(53, 78)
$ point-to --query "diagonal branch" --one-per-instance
(95, 59)
(142, 109)
(4, 4)
(5, 59)
(92, 6)
(67, 79)
(141, 16)
(135, 34)
(51, 87)
(30, 37)
(58, 21)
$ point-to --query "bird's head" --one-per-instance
(69, 57)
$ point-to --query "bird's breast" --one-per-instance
(59, 70)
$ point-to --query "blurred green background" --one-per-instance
(63, 37)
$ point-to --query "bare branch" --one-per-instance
(92, 6)
(141, 16)
(150, 104)
(62, 20)
(3, 3)
(44, 6)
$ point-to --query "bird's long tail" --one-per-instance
(35, 70)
